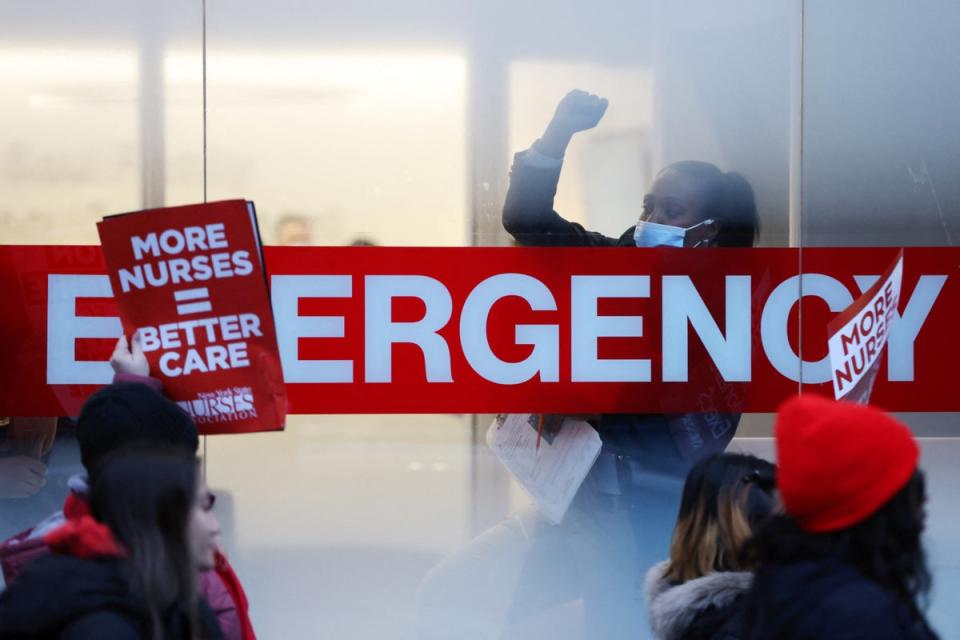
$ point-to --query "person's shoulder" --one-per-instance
(626, 238)
(65, 570)
(19, 551)
(56, 590)
(856, 607)
(31, 536)
(104, 624)
(844, 587)
(559, 232)
(47, 566)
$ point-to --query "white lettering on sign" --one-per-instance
(176, 335)
(683, 309)
(381, 332)
(174, 241)
(181, 270)
(905, 328)
(64, 327)
(185, 270)
(545, 338)
(773, 324)
(681, 304)
(286, 292)
(856, 347)
(222, 405)
(587, 327)
(214, 357)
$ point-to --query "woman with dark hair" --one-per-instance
(130, 411)
(846, 561)
(129, 571)
(689, 204)
(725, 499)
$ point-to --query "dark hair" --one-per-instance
(725, 498)
(121, 414)
(886, 547)
(145, 496)
(730, 202)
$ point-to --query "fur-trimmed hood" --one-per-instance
(672, 608)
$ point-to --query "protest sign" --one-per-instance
(859, 334)
(190, 281)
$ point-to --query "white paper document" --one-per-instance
(551, 474)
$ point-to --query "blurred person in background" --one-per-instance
(128, 570)
(293, 230)
(725, 499)
(24, 445)
(362, 241)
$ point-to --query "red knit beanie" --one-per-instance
(838, 462)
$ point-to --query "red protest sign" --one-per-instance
(191, 281)
(859, 334)
(521, 330)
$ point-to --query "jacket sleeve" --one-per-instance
(528, 213)
(18, 551)
(102, 625)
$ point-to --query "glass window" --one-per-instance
(397, 125)
(878, 171)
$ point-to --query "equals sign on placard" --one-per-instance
(192, 301)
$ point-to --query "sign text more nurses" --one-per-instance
(173, 257)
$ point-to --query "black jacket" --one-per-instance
(823, 600)
(529, 216)
(66, 598)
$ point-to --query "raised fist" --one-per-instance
(578, 111)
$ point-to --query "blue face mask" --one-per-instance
(654, 234)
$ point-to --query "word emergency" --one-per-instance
(543, 330)
(682, 306)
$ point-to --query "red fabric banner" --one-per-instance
(556, 330)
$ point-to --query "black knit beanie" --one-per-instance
(127, 413)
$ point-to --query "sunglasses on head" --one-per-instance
(764, 482)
